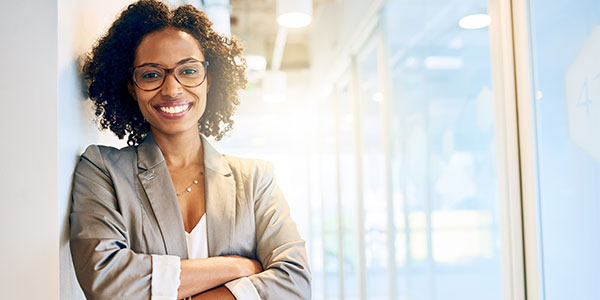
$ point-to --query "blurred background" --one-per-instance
(429, 150)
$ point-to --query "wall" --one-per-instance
(80, 24)
(28, 131)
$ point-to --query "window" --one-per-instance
(443, 152)
(566, 92)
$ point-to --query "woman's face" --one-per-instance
(173, 108)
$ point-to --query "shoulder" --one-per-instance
(250, 169)
(106, 157)
(256, 177)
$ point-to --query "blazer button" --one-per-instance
(150, 176)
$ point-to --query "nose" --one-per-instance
(171, 87)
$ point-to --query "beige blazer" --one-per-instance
(125, 208)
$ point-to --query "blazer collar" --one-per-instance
(149, 155)
(213, 159)
(220, 195)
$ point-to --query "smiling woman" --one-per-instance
(171, 104)
(169, 217)
(108, 68)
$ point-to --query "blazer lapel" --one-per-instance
(156, 181)
(220, 201)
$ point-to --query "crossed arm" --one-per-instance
(200, 276)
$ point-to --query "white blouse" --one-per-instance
(197, 240)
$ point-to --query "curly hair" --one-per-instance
(106, 69)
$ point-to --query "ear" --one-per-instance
(131, 90)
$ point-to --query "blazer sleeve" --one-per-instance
(105, 266)
(279, 246)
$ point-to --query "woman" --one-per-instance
(169, 217)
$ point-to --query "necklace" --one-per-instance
(188, 189)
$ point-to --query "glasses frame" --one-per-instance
(205, 64)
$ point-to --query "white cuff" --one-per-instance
(243, 289)
(165, 277)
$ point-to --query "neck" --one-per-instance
(180, 150)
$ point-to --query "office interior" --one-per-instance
(429, 150)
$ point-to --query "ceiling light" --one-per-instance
(294, 13)
(474, 21)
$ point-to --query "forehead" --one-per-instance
(167, 47)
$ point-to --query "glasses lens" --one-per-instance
(149, 77)
(190, 74)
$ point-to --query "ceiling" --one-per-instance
(254, 22)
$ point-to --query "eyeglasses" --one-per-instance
(150, 77)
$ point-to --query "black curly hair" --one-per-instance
(106, 69)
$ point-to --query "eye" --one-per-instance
(188, 71)
(150, 75)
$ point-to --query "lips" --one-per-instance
(173, 109)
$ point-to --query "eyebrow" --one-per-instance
(183, 61)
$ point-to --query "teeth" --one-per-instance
(174, 109)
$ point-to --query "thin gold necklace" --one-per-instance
(188, 189)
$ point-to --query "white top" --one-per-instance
(167, 268)
(197, 240)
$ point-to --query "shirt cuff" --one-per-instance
(243, 289)
(165, 277)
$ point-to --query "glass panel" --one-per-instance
(329, 198)
(315, 243)
(444, 182)
(566, 64)
(373, 174)
(348, 192)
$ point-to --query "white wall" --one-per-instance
(80, 24)
(28, 131)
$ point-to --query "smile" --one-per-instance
(173, 110)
